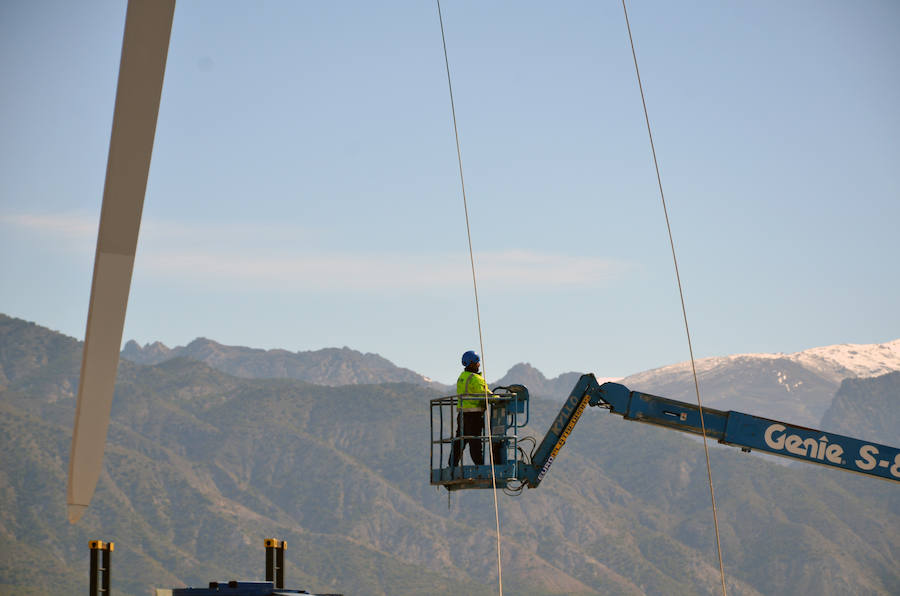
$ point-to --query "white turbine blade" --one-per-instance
(148, 24)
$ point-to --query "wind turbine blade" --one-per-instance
(148, 24)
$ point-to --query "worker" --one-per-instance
(470, 405)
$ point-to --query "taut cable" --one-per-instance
(462, 182)
(712, 493)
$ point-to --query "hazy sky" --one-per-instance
(304, 190)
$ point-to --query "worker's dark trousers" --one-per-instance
(469, 424)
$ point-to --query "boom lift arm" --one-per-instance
(730, 428)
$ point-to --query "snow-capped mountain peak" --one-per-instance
(852, 360)
(796, 387)
(835, 362)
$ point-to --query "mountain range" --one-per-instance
(201, 465)
(329, 366)
(796, 387)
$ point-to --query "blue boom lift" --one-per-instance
(515, 470)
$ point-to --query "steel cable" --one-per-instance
(462, 182)
(712, 493)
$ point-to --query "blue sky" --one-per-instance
(304, 190)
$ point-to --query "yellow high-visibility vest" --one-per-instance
(471, 383)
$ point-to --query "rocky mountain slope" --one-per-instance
(868, 407)
(201, 466)
(539, 385)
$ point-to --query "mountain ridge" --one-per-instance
(326, 366)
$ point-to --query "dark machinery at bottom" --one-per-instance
(515, 469)
(273, 586)
(236, 588)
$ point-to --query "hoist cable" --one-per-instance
(712, 493)
(462, 182)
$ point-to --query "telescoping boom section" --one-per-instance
(730, 428)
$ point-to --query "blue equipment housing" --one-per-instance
(236, 588)
(517, 469)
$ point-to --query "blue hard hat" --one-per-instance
(470, 358)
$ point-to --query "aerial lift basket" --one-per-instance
(508, 410)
